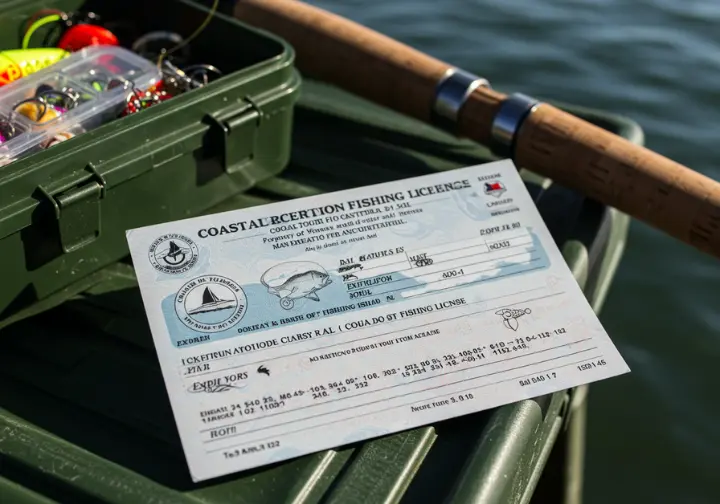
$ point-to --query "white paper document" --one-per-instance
(294, 327)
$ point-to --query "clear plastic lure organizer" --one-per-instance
(77, 94)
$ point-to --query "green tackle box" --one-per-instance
(64, 210)
(85, 418)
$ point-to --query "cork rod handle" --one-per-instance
(553, 143)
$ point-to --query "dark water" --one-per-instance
(653, 435)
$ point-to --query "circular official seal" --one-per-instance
(173, 254)
(210, 303)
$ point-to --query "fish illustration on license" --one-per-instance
(295, 280)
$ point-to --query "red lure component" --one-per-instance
(139, 100)
(157, 87)
(84, 35)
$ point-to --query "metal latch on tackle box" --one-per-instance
(77, 209)
(239, 125)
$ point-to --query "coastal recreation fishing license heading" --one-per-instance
(289, 328)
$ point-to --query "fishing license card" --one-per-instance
(293, 327)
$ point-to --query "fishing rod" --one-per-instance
(537, 136)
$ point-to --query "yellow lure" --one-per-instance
(37, 112)
(17, 63)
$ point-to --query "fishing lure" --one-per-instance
(7, 131)
(201, 75)
(36, 110)
(75, 96)
(139, 100)
(85, 35)
(61, 100)
(47, 104)
(56, 139)
(176, 80)
(77, 30)
(17, 63)
(66, 19)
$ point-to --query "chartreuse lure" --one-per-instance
(17, 63)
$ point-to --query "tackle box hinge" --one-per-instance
(238, 128)
(77, 209)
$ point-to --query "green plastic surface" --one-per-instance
(64, 211)
(86, 417)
